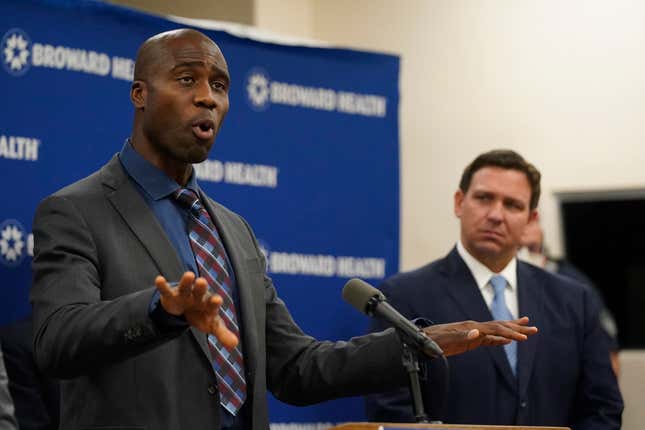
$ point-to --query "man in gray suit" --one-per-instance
(133, 355)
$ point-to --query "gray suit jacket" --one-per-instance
(98, 248)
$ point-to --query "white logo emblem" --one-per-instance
(15, 52)
(257, 89)
(12, 242)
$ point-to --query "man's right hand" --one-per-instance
(456, 338)
(192, 299)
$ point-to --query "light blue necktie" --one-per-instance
(500, 312)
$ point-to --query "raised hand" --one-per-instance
(192, 299)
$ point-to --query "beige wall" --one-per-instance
(561, 82)
(240, 11)
(292, 17)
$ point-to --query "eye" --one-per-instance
(186, 80)
(514, 205)
(218, 85)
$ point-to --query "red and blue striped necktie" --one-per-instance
(213, 266)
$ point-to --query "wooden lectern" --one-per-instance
(386, 426)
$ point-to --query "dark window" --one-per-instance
(605, 238)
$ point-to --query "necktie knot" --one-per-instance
(499, 284)
(189, 200)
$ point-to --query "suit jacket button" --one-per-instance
(523, 404)
(211, 390)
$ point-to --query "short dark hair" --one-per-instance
(506, 159)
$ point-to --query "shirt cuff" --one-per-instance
(163, 320)
(422, 322)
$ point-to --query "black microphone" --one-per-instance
(372, 302)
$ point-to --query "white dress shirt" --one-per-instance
(482, 275)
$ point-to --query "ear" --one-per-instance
(533, 216)
(138, 94)
(459, 200)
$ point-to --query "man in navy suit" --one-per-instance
(561, 376)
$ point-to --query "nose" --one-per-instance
(496, 212)
(204, 96)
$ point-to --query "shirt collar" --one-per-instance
(482, 274)
(152, 180)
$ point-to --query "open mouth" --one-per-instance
(204, 129)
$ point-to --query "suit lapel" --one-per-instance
(236, 254)
(461, 286)
(530, 301)
(129, 203)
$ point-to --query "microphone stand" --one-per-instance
(410, 359)
(411, 365)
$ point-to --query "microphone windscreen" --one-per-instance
(357, 293)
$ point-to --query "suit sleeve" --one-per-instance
(75, 330)
(302, 370)
(599, 399)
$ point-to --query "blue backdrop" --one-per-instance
(308, 153)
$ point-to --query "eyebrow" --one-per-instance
(191, 64)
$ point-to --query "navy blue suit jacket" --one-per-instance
(564, 377)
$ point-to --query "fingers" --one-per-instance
(522, 327)
(185, 287)
(213, 302)
(199, 289)
(168, 297)
(175, 299)
(521, 321)
(224, 335)
(502, 330)
(163, 286)
(514, 330)
(207, 319)
(491, 340)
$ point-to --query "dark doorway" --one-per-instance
(604, 236)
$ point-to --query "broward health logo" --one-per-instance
(19, 53)
(257, 89)
(15, 52)
(12, 242)
(261, 92)
(322, 265)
